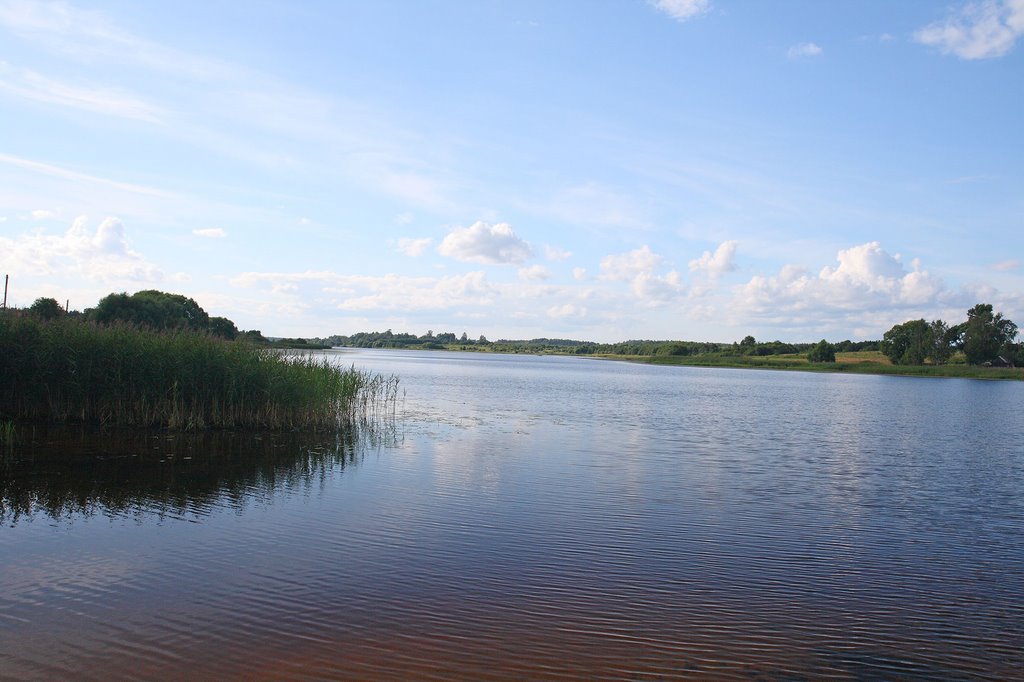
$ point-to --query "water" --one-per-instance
(537, 518)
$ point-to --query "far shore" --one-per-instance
(859, 362)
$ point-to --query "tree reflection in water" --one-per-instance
(64, 472)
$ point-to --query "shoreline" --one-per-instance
(846, 363)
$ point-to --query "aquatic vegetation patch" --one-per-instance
(69, 371)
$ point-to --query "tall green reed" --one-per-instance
(72, 371)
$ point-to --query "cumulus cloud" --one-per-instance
(867, 280)
(714, 265)
(43, 214)
(485, 243)
(553, 253)
(413, 247)
(980, 30)
(653, 289)
(210, 232)
(566, 310)
(639, 267)
(579, 274)
(103, 254)
(626, 266)
(1006, 265)
(534, 273)
(682, 10)
(804, 50)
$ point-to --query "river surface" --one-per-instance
(536, 518)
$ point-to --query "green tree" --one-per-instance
(985, 334)
(223, 327)
(944, 339)
(823, 351)
(46, 309)
(151, 308)
(908, 343)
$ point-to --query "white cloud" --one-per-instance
(553, 253)
(566, 310)
(98, 99)
(980, 30)
(682, 10)
(579, 274)
(413, 247)
(715, 265)
(43, 214)
(534, 273)
(101, 255)
(210, 232)
(387, 292)
(64, 173)
(626, 266)
(485, 243)
(404, 218)
(638, 268)
(803, 50)
(1006, 265)
(654, 290)
(867, 283)
(89, 36)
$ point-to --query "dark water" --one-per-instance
(537, 518)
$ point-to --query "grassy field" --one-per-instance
(66, 371)
(864, 362)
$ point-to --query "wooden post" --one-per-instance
(67, 302)
(5, 291)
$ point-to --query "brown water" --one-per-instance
(536, 518)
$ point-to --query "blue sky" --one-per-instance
(685, 169)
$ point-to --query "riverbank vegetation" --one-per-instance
(70, 369)
(980, 347)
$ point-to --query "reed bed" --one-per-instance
(67, 371)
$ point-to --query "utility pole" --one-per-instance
(5, 291)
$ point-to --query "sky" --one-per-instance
(602, 170)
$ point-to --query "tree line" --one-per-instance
(985, 338)
(151, 309)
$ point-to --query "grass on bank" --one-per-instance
(67, 371)
(863, 362)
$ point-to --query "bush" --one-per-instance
(822, 352)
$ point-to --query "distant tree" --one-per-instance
(482, 340)
(944, 338)
(908, 343)
(1014, 354)
(985, 334)
(253, 336)
(46, 309)
(748, 341)
(845, 346)
(464, 338)
(823, 351)
(223, 327)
